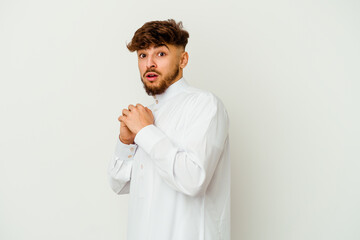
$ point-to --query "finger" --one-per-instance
(148, 110)
(139, 106)
(131, 107)
(122, 118)
(125, 112)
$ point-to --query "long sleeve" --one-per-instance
(189, 168)
(120, 166)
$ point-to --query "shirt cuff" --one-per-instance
(148, 136)
(124, 151)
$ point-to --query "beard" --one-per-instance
(153, 90)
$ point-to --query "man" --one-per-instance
(173, 157)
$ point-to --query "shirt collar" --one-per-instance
(171, 91)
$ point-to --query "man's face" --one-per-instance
(160, 66)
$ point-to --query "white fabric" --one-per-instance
(178, 172)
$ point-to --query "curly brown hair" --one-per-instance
(159, 33)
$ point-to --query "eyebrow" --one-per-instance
(157, 46)
(161, 45)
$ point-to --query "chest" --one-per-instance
(173, 121)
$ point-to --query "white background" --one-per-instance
(288, 72)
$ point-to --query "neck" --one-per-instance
(178, 77)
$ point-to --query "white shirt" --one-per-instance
(178, 170)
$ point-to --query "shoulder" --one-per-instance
(204, 103)
(199, 97)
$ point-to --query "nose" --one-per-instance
(150, 62)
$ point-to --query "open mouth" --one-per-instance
(151, 76)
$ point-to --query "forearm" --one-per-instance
(186, 170)
(120, 167)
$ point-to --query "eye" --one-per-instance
(142, 55)
(161, 54)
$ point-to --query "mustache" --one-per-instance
(151, 70)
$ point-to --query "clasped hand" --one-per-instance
(132, 121)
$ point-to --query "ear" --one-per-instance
(184, 59)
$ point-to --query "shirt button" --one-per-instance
(129, 156)
(132, 149)
(157, 101)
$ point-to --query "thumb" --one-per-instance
(148, 110)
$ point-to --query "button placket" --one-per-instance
(156, 100)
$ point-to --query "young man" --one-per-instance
(173, 157)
